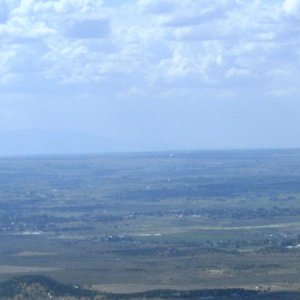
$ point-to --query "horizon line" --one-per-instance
(132, 152)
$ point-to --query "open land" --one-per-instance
(128, 223)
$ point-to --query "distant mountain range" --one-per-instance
(53, 142)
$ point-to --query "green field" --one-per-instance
(135, 222)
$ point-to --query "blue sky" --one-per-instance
(148, 75)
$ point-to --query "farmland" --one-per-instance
(137, 222)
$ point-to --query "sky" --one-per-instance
(80, 76)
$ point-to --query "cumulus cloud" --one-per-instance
(148, 45)
(292, 7)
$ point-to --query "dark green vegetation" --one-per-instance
(155, 221)
(40, 287)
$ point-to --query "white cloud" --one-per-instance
(292, 7)
(148, 45)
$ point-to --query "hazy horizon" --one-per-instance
(63, 144)
(86, 76)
